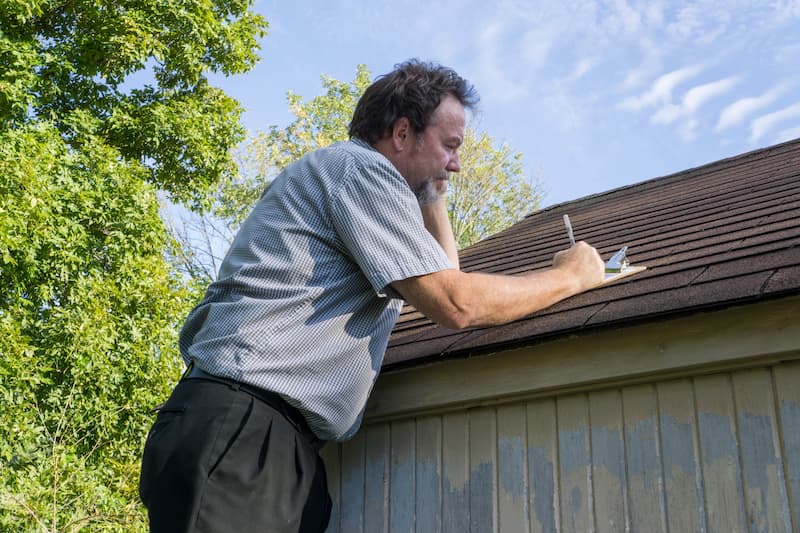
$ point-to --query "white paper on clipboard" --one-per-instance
(611, 277)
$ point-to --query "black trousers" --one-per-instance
(219, 459)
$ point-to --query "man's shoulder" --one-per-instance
(353, 149)
(354, 157)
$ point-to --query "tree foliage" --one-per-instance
(87, 324)
(490, 193)
(65, 62)
(319, 122)
(89, 307)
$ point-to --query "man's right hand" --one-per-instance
(583, 264)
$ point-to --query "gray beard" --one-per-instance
(426, 193)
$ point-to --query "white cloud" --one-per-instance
(495, 80)
(660, 92)
(627, 18)
(580, 70)
(667, 114)
(693, 100)
(558, 102)
(760, 126)
(687, 22)
(699, 95)
(653, 13)
(741, 109)
(787, 9)
(535, 46)
(633, 78)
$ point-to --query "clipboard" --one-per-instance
(611, 277)
(618, 267)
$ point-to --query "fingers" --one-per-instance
(440, 184)
(583, 263)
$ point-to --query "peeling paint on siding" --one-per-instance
(481, 498)
(456, 508)
(716, 453)
(542, 474)
(511, 453)
(790, 415)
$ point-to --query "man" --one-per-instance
(287, 343)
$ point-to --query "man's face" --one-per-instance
(434, 152)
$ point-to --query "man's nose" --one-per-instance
(454, 165)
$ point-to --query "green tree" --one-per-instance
(89, 307)
(490, 193)
(322, 121)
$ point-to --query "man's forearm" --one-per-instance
(438, 224)
(457, 299)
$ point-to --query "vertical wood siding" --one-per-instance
(717, 453)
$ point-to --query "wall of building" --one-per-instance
(688, 424)
(716, 452)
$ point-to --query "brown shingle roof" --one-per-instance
(713, 236)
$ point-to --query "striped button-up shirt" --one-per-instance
(302, 304)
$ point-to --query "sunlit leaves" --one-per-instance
(89, 307)
(491, 192)
(63, 57)
(88, 316)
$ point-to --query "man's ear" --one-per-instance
(401, 133)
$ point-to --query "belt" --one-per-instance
(270, 398)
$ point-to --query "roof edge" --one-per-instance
(564, 333)
(725, 160)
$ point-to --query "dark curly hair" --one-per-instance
(414, 89)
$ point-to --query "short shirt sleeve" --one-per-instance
(378, 219)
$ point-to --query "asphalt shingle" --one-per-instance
(714, 236)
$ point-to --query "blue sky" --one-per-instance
(595, 94)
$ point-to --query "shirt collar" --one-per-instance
(362, 143)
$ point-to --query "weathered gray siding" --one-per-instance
(710, 453)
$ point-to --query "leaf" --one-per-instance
(90, 306)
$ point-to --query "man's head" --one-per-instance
(413, 90)
(415, 117)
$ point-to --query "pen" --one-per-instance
(569, 230)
